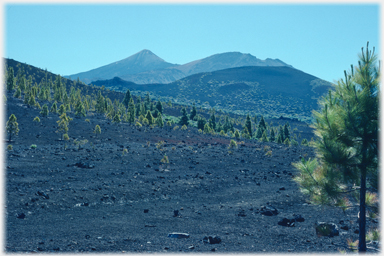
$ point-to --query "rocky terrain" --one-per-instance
(112, 192)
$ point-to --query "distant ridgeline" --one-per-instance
(42, 89)
(264, 90)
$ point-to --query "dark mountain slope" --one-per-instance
(274, 91)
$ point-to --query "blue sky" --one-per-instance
(320, 39)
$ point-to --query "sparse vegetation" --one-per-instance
(12, 127)
(165, 159)
(232, 144)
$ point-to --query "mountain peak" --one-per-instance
(146, 51)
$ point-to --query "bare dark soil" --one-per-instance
(95, 198)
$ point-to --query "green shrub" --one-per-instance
(304, 142)
(232, 144)
(36, 119)
(176, 127)
(138, 124)
(184, 127)
(9, 147)
(97, 130)
(165, 159)
(33, 146)
(145, 121)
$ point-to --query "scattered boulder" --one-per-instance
(326, 229)
(84, 165)
(287, 222)
(43, 194)
(20, 215)
(298, 218)
(178, 235)
(146, 210)
(175, 213)
(344, 227)
(268, 210)
(211, 240)
(241, 213)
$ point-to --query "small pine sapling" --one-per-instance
(12, 127)
(165, 160)
(232, 144)
(237, 134)
(44, 111)
(97, 130)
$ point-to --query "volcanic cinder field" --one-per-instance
(112, 193)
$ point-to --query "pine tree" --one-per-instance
(272, 135)
(22, 84)
(237, 134)
(201, 122)
(11, 83)
(245, 133)
(286, 131)
(17, 93)
(62, 124)
(32, 101)
(159, 107)
(259, 132)
(184, 118)
(100, 103)
(116, 119)
(280, 135)
(193, 112)
(61, 110)
(264, 137)
(212, 121)
(262, 124)
(227, 126)
(347, 145)
(248, 124)
(12, 127)
(150, 118)
(127, 98)
(44, 111)
(207, 129)
(159, 121)
(131, 111)
(138, 109)
(79, 109)
(54, 107)
(97, 130)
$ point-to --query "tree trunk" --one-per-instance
(363, 189)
